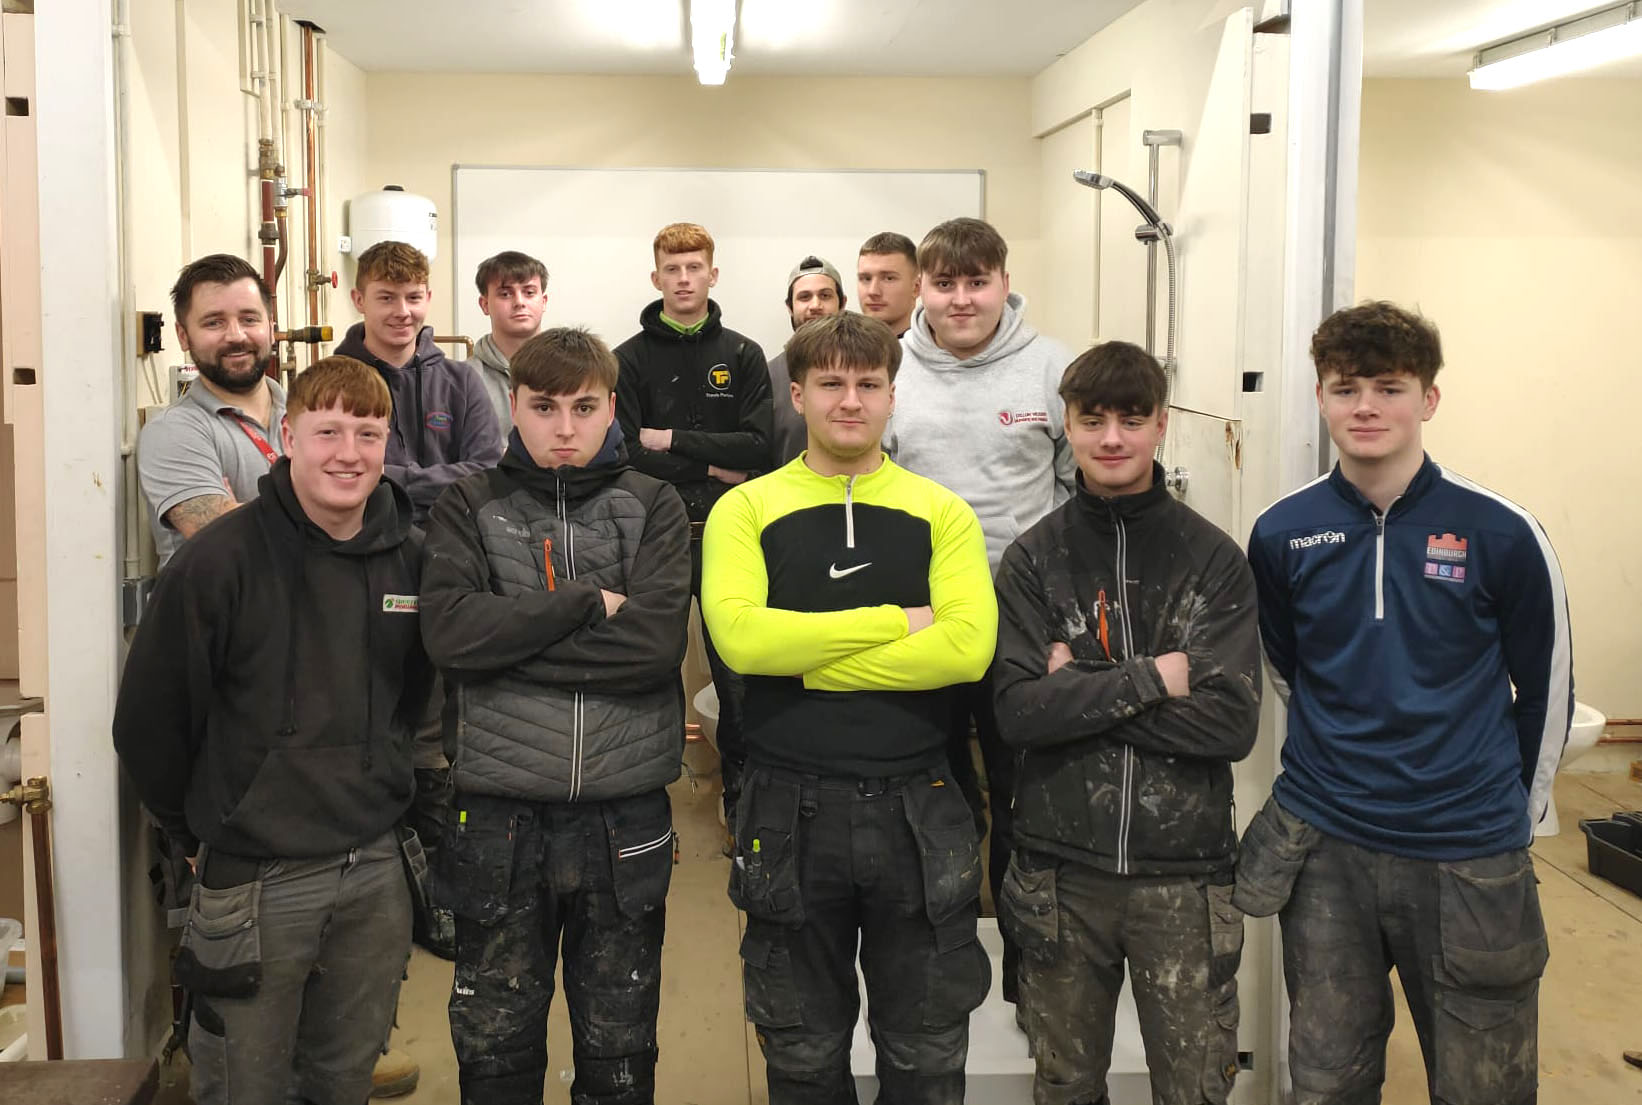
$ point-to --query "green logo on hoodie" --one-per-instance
(399, 604)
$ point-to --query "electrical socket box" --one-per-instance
(344, 244)
(151, 333)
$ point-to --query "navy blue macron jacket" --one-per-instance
(1396, 641)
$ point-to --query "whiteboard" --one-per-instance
(593, 229)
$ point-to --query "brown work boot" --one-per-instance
(396, 1074)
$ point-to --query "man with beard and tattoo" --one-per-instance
(203, 455)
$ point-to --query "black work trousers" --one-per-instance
(972, 703)
(528, 880)
(732, 693)
(887, 869)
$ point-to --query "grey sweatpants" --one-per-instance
(335, 936)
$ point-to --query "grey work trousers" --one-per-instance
(1182, 939)
(335, 939)
(1468, 943)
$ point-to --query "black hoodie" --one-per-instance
(711, 388)
(273, 686)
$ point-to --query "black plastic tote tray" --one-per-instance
(1614, 848)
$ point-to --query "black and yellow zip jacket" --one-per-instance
(805, 584)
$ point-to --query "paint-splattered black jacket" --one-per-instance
(1114, 772)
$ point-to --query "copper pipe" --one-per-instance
(456, 339)
(268, 235)
(51, 995)
(282, 220)
(34, 798)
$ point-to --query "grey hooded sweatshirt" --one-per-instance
(492, 365)
(991, 428)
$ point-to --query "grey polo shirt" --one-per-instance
(197, 446)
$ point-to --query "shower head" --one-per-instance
(1099, 180)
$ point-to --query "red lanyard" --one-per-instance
(257, 439)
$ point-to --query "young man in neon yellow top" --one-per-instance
(853, 595)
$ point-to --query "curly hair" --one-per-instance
(1377, 338)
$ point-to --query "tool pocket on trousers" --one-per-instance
(1486, 1048)
(1028, 909)
(1220, 1045)
(417, 876)
(767, 977)
(764, 872)
(220, 954)
(641, 852)
(1273, 850)
(1493, 936)
(958, 974)
(949, 852)
(1225, 935)
(473, 869)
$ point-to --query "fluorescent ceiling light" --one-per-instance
(1570, 47)
(712, 38)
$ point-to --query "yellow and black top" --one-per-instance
(805, 583)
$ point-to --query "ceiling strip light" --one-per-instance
(1568, 47)
(712, 38)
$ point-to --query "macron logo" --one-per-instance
(1327, 537)
(834, 572)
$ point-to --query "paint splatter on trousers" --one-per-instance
(529, 882)
(1468, 943)
(1182, 940)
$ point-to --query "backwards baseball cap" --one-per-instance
(811, 266)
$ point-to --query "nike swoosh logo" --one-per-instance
(834, 573)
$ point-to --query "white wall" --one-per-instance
(1511, 220)
(80, 314)
(422, 123)
(191, 170)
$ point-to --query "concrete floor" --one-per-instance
(1588, 1006)
(1591, 995)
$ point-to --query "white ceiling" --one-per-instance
(1436, 38)
(861, 38)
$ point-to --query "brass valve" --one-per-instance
(33, 796)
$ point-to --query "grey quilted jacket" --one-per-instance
(554, 701)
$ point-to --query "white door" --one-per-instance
(1182, 67)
